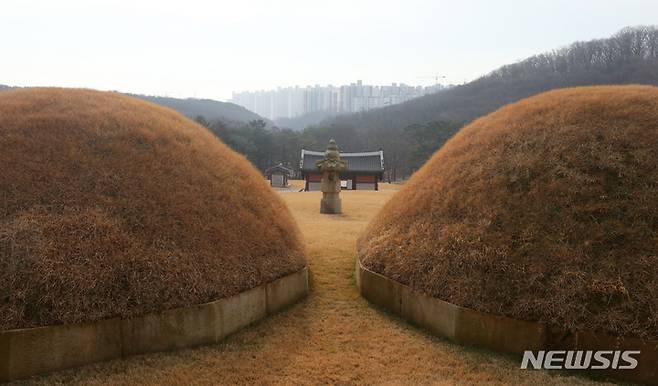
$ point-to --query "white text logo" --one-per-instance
(579, 360)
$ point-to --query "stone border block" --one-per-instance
(499, 333)
(171, 329)
(281, 295)
(26, 352)
(439, 317)
(32, 351)
(243, 309)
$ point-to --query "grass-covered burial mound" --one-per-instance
(545, 210)
(111, 206)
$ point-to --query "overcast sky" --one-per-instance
(210, 48)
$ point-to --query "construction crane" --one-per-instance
(435, 77)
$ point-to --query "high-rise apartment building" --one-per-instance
(291, 102)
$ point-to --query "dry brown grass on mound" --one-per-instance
(111, 206)
(544, 210)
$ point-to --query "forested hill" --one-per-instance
(209, 109)
(508, 84)
(299, 123)
(630, 56)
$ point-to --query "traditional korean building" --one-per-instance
(364, 170)
(278, 175)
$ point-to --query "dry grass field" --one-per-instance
(332, 337)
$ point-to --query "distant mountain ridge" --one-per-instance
(630, 56)
(209, 109)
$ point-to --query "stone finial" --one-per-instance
(332, 150)
(331, 161)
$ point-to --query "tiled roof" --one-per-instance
(372, 161)
(281, 168)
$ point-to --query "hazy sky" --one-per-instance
(210, 48)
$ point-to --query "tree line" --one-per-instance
(266, 147)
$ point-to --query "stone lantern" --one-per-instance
(331, 166)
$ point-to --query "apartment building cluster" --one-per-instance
(291, 102)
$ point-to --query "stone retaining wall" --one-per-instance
(27, 352)
(499, 333)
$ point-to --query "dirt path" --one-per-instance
(334, 336)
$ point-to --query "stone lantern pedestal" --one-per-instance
(331, 166)
(330, 186)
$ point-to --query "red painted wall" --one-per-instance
(314, 177)
(365, 178)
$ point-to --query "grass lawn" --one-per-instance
(334, 336)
